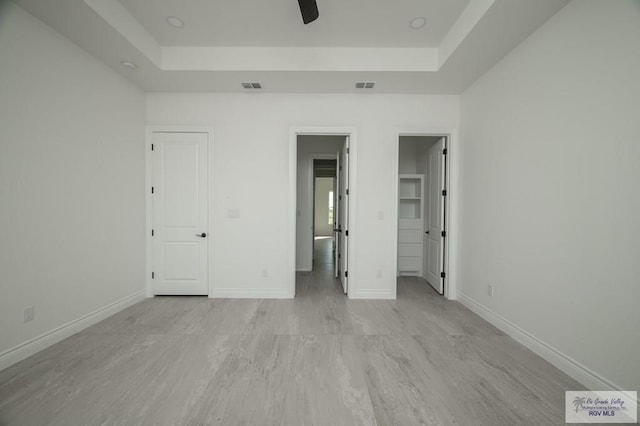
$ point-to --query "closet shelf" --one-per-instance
(410, 224)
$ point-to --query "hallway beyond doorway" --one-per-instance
(321, 280)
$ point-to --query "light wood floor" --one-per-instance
(319, 359)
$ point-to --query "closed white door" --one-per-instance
(435, 217)
(180, 213)
(344, 216)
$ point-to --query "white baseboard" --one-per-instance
(43, 341)
(304, 269)
(564, 363)
(251, 293)
(372, 294)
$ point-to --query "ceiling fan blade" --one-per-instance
(309, 10)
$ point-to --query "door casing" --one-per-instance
(294, 132)
(450, 251)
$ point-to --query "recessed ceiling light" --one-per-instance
(417, 23)
(129, 65)
(175, 22)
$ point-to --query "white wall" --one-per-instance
(324, 186)
(71, 184)
(407, 155)
(252, 130)
(308, 146)
(550, 190)
(412, 153)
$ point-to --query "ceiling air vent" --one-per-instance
(365, 85)
(252, 85)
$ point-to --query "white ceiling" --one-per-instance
(226, 42)
(352, 23)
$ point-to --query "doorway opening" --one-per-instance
(325, 218)
(322, 213)
(422, 209)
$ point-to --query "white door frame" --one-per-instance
(149, 130)
(312, 201)
(450, 252)
(294, 132)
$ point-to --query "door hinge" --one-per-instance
(340, 197)
(443, 234)
(347, 191)
(442, 275)
(152, 189)
(151, 147)
(346, 274)
(444, 192)
(152, 233)
(153, 275)
(347, 150)
(444, 151)
(346, 233)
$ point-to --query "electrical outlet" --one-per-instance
(490, 290)
(29, 313)
(265, 273)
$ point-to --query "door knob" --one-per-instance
(426, 232)
(203, 235)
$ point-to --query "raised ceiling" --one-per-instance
(353, 23)
(226, 42)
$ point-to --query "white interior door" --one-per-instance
(336, 218)
(180, 213)
(435, 216)
(344, 216)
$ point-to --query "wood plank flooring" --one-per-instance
(319, 359)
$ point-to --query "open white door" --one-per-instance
(343, 227)
(180, 216)
(336, 219)
(434, 246)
